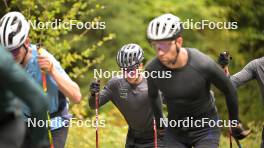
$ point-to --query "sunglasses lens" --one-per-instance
(131, 71)
(161, 46)
(164, 47)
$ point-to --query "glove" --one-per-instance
(224, 59)
(95, 87)
(239, 132)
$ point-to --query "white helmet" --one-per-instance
(14, 29)
(164, 27)
(129, 55)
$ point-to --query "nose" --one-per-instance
(160, 52)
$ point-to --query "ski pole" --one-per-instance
(49, 132)
(230, 136)
(224, 65)
(229, 129)
(96, 117)
(44, 86)
(155, 134)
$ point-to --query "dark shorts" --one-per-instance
(144, 140)
(12, 133)
(197, 137)
(204, 138)
(59, 137)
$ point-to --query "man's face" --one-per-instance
(132, 74)
(165, 50)
(19, 54)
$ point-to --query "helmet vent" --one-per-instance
(157, 29)
(19, 27)
(10, 37)
(22, 39)
(5, 30)
(164, 28)
(151, 29)
(1, 22)
(135, 56)
(14, 21)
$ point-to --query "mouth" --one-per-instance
(162, 60)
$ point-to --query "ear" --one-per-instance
(27, 42)
(141, 66)
(179, 41)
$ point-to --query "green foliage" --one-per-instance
(112, 135)
(249, 14)
(80, 51)
(74, 48)
(70, 46)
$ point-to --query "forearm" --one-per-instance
(157, 110)
(241, 78)
(103, 97)
(67, 86)
(156, 102)
(231, 99)
(245, 75)
(224, 84)
(232, 105)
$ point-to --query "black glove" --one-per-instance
(239, 132)
(94, 87)
(224, 59)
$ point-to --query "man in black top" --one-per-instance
(129, 93)
(187, 92)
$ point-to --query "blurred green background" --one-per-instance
(80, 51)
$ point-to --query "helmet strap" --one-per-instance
(176, 58)
(23, 60)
